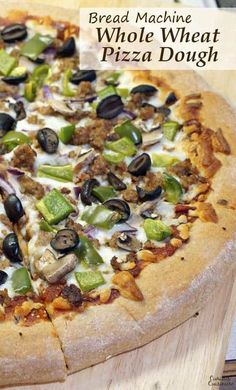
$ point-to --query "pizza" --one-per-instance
(117, 217)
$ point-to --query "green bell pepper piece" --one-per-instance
(21, 282)
(18, 71)
(40, 73)
(127, 129)
(113, 157)
(66, 133)
(62, 173)
(107, 91)
(15, 138)
(30, 91)
(89, 280)
(103, 193)
(7, 63)
(172, 188)
(36, 45)
(66, 89)
(87, 254)
(170, 129)
(44, 226)
(54, 207)
(122, 92)
(156, 229)
(100, 216)
(163, 160)
(123, 145)
(113, 78)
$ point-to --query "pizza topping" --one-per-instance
(48, 140)
(173, 189)
(109, 107)
(7, 63)
(83, 75)
(171, 99)
(128, 242)
(62, 173)
(116, 183)
(100, 216)
(24, 157)
(123, 146)
(170, 129)
(61, 107)
(35, 46)
(89, 280)
(120, 207)
(13, 208)
(30, 186)
(163, 160)
(66, 133)
(14, 138)
(148, 195)
(156, 229)
(21, 282)
(103, 193)
(86, 191)
(11, 248)
(67, 49)
(127, 286)
(151, 138)
(16, 77)
(14, 32)
(55, 271)
(140, 165)
(3, 277)
(73, 294)
(145, 89)
(65, 240)
(54, 207)
(6, 123)
(127, 129)
(87, 253)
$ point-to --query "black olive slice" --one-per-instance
(110, 107)
(140, 165)
(86, 191)
(65, 240)
(171, 99)
(7, 123)
(120, 206)
(116, 183)
(11, 248)
(83, 75)
(3, 277)
(14, 32)
(15, 80)
(146, 89)
(48, 140)
(13, 208)
(67, 49)
(148, 195)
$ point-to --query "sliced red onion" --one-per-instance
(77, 191)
(46, 92)
(127, 228)
(129, 114)
(6, 186)
(15, 171)
(90, 231)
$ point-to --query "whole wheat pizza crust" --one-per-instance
(173, 289)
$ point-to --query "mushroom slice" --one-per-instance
(151, 138)
(85, 158)
(56, 271)
(128, 243)
(46, 259)
(61, 107)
